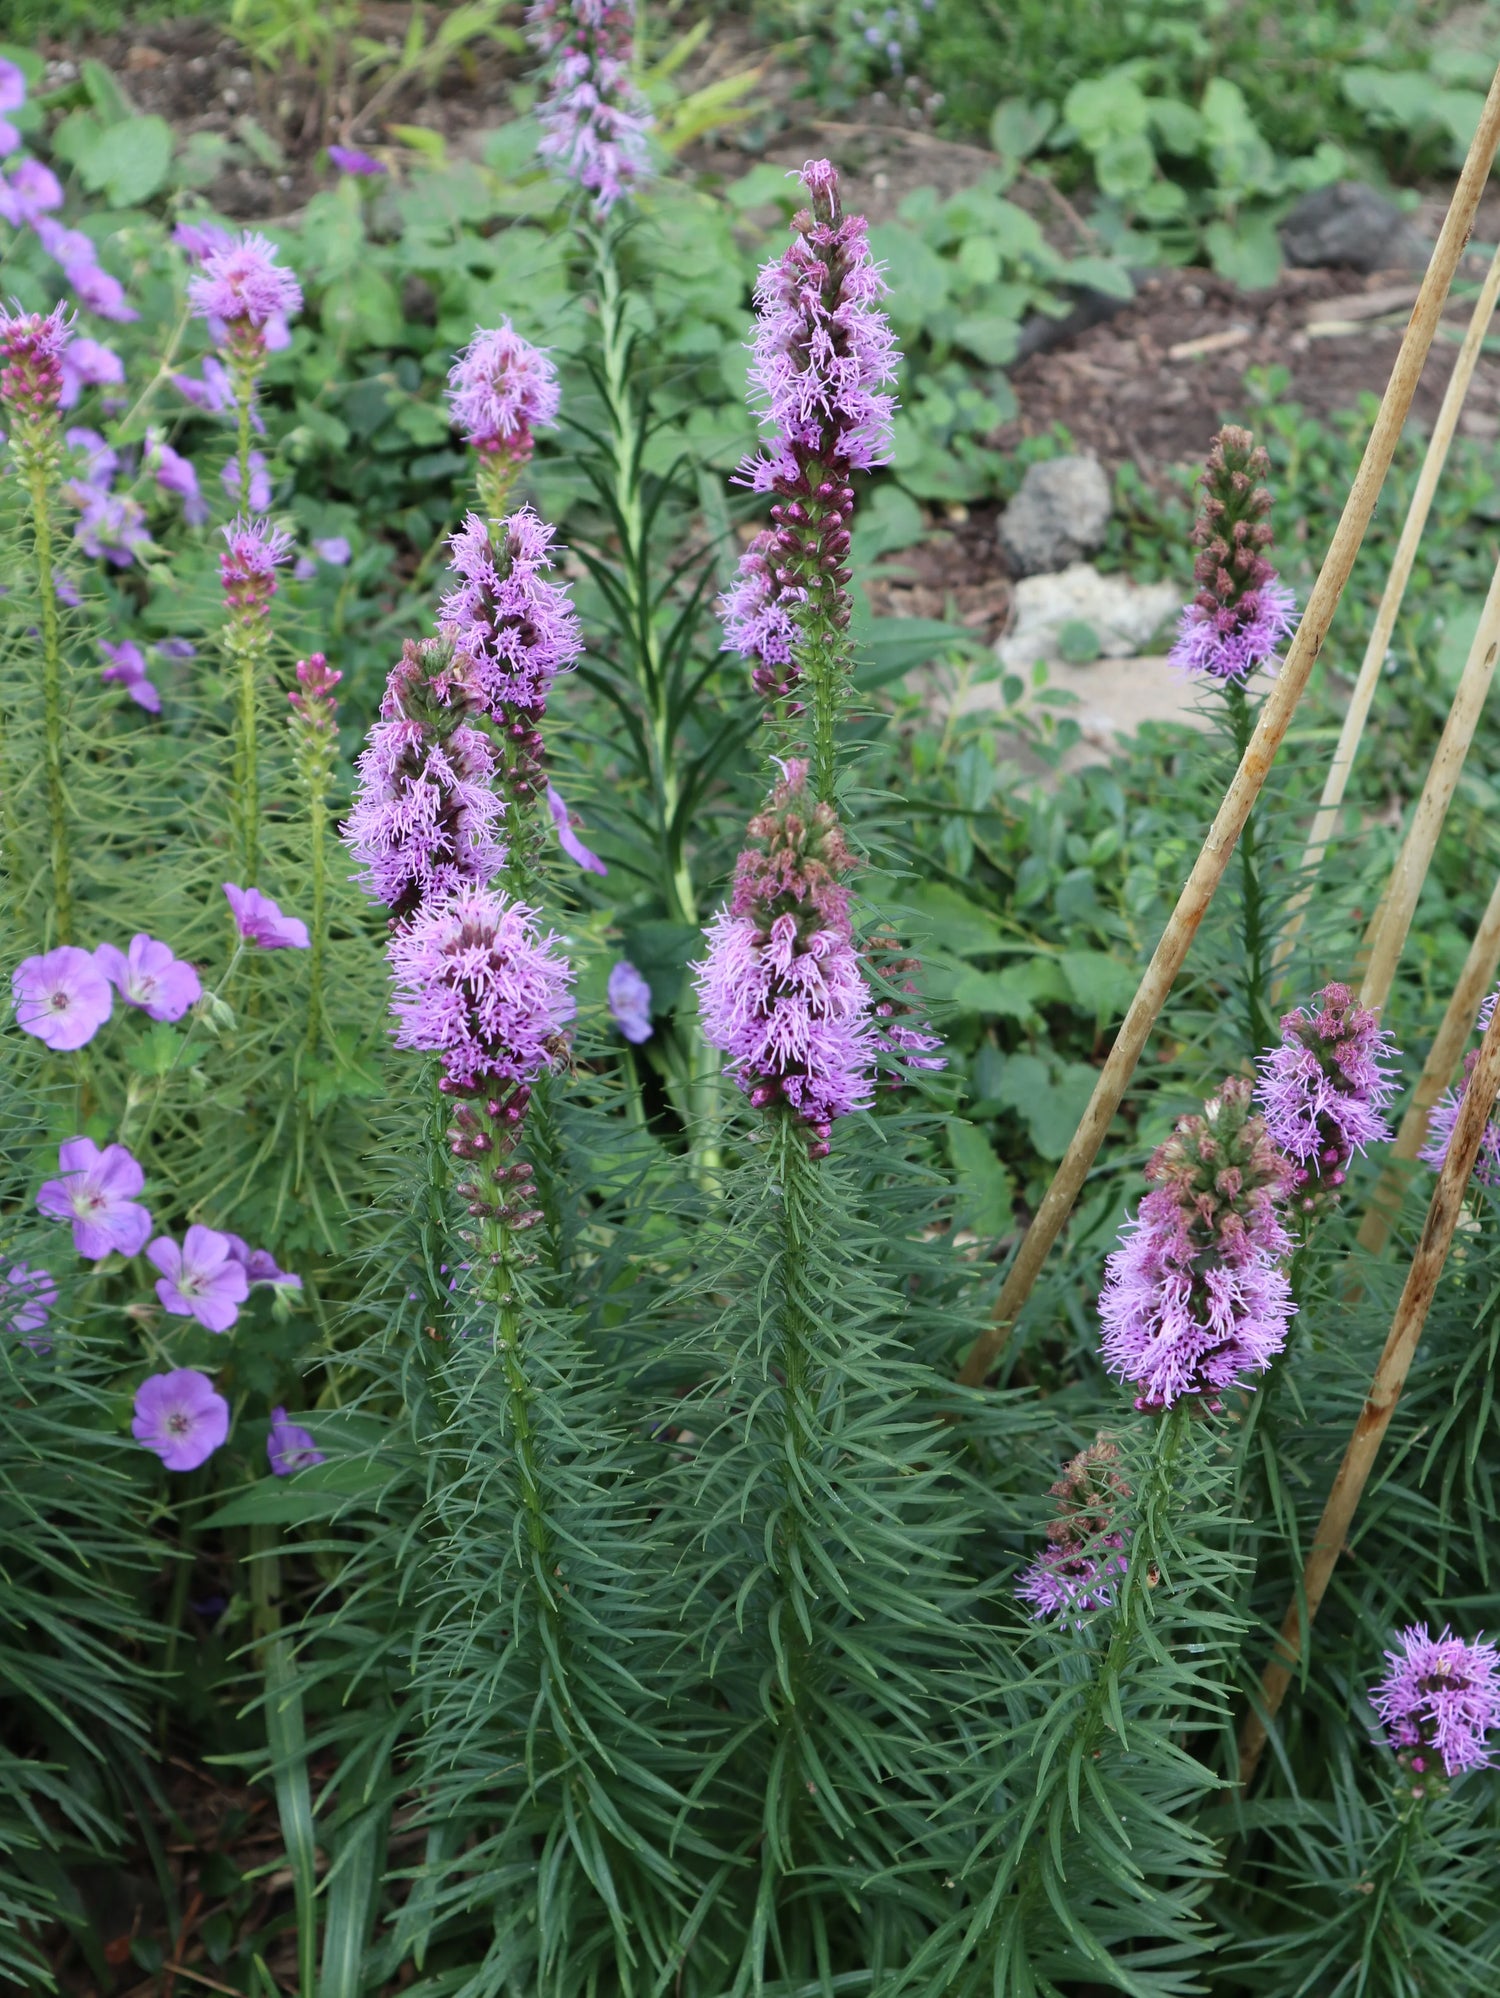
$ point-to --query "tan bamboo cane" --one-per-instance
(1270, 727)
(1385, 1390)
(1325, 820)
(1385, 939)
(1474, 981)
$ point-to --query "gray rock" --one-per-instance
(1060, 513)
(1349, 223)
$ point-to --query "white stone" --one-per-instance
(1123, 615)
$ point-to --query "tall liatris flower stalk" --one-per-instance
(425, 818)
(1079, 1569)
(1444, 1116)
(315, 748)
(247, 570)
(1196, 1296)
(1324, 1089)
(32, 346)
(594, 119)
(824, 362)
(1234, 624)
(243, 293)
(501, 390)
(781, 991)
(1440, 1703)
(512, 631)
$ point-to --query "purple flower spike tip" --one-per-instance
(200, 1279)
(501, 389)
(594, 120)
(96, 1192)
(62, 997)
(567, 839)
(630, 1002)
(1242, 611)
(1440, 1697)
(290, 1447)
(241, 283)
(150, 977)
(1324, 1090)
(181, 1416)
(260, 922)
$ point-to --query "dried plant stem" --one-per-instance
(1386, 937)
(1271, 726)
(1385, 1390)
(1325, 820)
(1474, 982)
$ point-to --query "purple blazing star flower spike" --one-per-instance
(567, 839)
(1242, 610)
(1196, 1297)
(260, 922)
(781, 992)
(198, 240)
(630, 1002)
(500, 389)
(478, 986)
(425, 820)
(594, 120)
(98, 292)
(31, 350)
(27, 1297)
(96, 1193)
(1323, 1090)
(511, 630)
(180, 1416)
(290, 1447)
(1440, 1697)
(760, 619)
(201, 1279)
(349, 159)
(260, 482)
(150, 977)
(127, 668)
(1076, 1573)
(62, 997)
(242, 285)
(247, 568)
(88, 364)
(1441, 1122)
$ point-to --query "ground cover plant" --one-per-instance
(531, 1038)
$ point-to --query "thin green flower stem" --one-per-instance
(246, 639)
(317, 829)
(37, 457)
(183, 1045)
(1252, 894)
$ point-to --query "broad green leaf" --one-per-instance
(1102, 108)
(1249, 255)
(105, 94)
(127, 162)
(984, 1187)
(937, 917)
(993, 341)
(892, 647)
(1099, 984)
(1018, 128)
(1049, 1097)
(1124, 164)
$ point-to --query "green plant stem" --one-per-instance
(37, 459)
(246, 641)
(317, 829)
(1252, 899)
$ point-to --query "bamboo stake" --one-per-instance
(1271, 726)
(1474, 981)
(1325, 820)
(1386, 937)
(1385, 1390)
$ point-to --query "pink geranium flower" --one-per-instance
(260, 922)
(150, 977)
(181, 1416)
(62, 997)
(97, 1194)
(290, 1447)
(202, 1279)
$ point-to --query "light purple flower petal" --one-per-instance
(630, 1002)
(290, 1447)
(62, 997)
(502, 388)
(200, 1279)
(1440, 1697)
(567, 839)
(96, 1193)
(260, 922)
(181, 1416)
(149, 976)
(27, 1297)
(349, 159)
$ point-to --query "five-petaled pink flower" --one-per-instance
(150, 977)
(290, 1447)
(259, 921)
(62, 997)
(97, 1194)
(202, 1279)
(181, 1416)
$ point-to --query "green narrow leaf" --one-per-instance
(358, 1861)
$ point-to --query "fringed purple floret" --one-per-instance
(31, 350)
(1440, 1698)
(1443, 1117)
(247, 568)
(759, 614)
(242, 287)
(501, 389)
(594, 120)
(781, 991)
(1196, 1297)
(476, 985)
(424, 820)
(1242, 611)
(1324, 1090)
(1079, 1569)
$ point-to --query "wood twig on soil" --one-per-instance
(1385, 1390)
(1270, 729)
(1325, 821)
